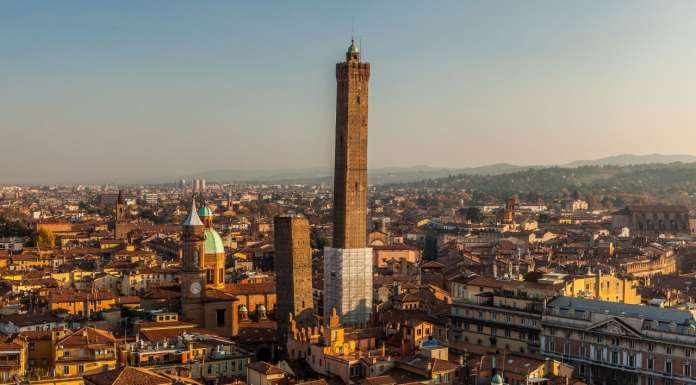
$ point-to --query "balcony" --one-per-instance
(5, 364)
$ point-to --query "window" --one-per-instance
(66, 369)
(220, 317)
(651, 347)
(632, 344)
(687, 370)
(687, 352)
(615, 358)
(507, 332)
(479, 328)
(632, 360)
(651, 363)
(668, 367)
(615, 341)
(668, 350)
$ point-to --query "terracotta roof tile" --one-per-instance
(128, 375)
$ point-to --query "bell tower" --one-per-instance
(193, 272)
(121, 227)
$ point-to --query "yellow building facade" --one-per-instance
(604, 287)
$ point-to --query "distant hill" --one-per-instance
(391, 175)
(630, 159)
(375, 176)
(603, 186)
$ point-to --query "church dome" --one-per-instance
(213, 242)
(497, 379)
(205, 211)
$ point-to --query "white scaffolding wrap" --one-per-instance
(348, 284)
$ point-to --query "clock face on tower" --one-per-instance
(195, 288)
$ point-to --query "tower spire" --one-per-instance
(193, 219)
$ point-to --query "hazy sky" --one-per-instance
(93, 90)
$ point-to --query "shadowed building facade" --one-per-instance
(348, 264)
(293, 265)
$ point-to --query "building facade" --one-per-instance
(616, 343)
(653, 218)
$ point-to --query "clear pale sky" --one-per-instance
(90, 90)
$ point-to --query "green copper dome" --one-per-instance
(353, 47)
(204, 211)
(213, 242)
(497, 379)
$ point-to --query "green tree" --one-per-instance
(473, 214)
(45, 238)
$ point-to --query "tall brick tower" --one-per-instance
(350, 168)
(293, 266)
(121, 227)
(348, 264)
